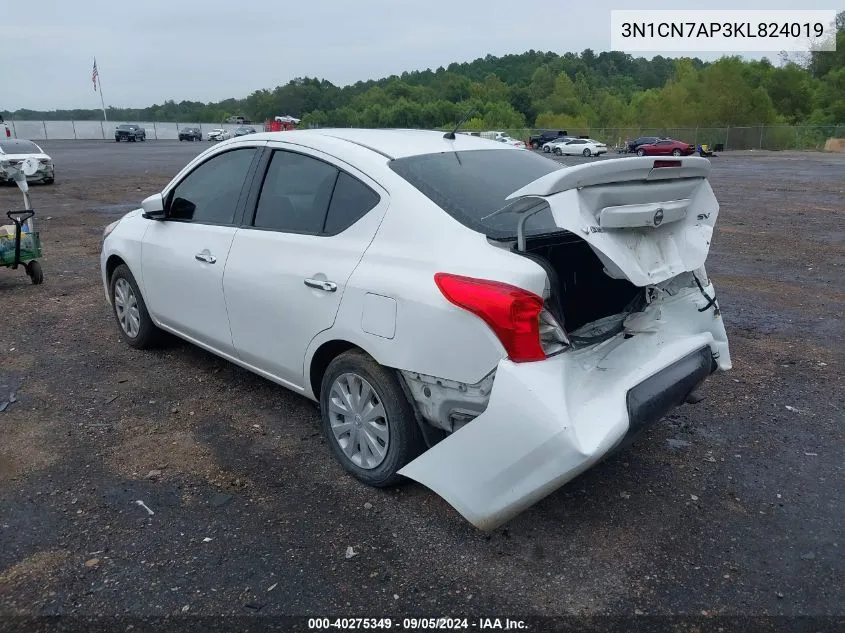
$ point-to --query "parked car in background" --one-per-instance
(509, 140)
(243, 131)
(129, 132)
(5, 132)
(582, 146)
(190, 134)
(14, 151)
(536, 141)
(550, 146)
(643, 140)
(496, 359)
(666, 147)
(219, 134)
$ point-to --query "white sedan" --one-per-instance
(14, 151)
(582, 146)
(509, 140)
(550, 146)
(474, 317)
(219, 134)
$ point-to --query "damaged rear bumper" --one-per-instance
(549, 421)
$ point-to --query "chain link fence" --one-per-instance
(104, 130)
(761, 137)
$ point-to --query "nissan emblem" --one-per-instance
(658, 217)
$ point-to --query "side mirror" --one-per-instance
(154, 207)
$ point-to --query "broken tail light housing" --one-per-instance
(512, 313)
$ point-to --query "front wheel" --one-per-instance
(676, 152)
(368, 421)
(587, 152)
(640, 152)
(130, 311)
(117, 139)
(558, 151)
(546, 149)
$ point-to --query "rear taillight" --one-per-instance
(517, 317)
(667, 163)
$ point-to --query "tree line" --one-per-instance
(543, 90)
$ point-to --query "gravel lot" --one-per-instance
(731, 506)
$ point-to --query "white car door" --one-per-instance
(184, 255)
(287, 270)
(573, 147)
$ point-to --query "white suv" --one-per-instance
(475, 317)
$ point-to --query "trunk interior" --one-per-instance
(582, 293)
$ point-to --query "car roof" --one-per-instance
(389, 143)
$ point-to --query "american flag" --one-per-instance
(95, 75)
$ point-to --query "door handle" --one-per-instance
(205, 257)
(319, 284)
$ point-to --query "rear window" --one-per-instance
(470, 185)
(18, 146)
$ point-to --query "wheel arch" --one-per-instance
(112, 263)
(322, 356)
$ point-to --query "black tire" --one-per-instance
(34, 271)
(405, 440)
(144, 138)
(535, 145)
(587, 153)
(546, 149)
(148, 334)
(49, 181)
(676, 152)
(641, 152)
(117, 139)
(558, 151)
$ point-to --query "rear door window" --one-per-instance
(351, 201)
(295, 194)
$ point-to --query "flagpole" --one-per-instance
(100, 83)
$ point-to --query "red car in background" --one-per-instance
(666, 147)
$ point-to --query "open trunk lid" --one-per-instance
(647, 219)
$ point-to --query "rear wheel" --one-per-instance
(546, 149)
(130, 311)
(117, 139)
(34, 271)
(676, 152)
(535, 145)
(586, 151)
(640, 152)
(558, 151)
(368, 421)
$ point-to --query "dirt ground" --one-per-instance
(731, 506)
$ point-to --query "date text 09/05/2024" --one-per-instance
(722, 29)
(416, 624)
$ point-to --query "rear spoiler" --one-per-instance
(645, 168)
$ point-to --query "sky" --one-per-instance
(171, 49)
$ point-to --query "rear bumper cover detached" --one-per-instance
(549, 421)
